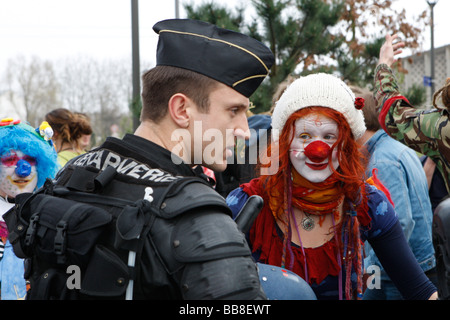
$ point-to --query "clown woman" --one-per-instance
(26, 159)
(318, 207)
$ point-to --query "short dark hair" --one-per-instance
(160, 83)
(370, 112)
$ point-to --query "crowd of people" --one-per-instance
(348, 190)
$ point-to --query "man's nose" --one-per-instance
(239, 133)
(242, 130)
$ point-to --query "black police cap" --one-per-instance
(232, 58)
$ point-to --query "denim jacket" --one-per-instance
(401, 171)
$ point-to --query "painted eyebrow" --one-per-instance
(299, 131)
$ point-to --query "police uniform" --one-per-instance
(194, 249)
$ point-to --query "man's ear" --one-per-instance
(178, 106)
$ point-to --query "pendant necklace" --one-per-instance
(307, 222)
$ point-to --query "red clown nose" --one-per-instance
(317, 151)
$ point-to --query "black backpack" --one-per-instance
(85, 245)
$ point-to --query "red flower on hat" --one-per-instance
(359, 103)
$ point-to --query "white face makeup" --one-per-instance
(313, 137)
(18, 173)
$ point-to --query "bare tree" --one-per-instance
(75, 75)
(101, 89)
(33, 80)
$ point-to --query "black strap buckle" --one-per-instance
(31, 230)
(60, 240)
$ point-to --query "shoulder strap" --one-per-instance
(189, 193)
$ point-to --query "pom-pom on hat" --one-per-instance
(229, 57)
(320, 90)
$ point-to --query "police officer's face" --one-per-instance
(225, 121)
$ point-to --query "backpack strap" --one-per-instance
(31, 230)
(60, 242)
(85, 180)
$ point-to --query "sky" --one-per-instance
(54, 29)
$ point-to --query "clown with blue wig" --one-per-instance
(27, 158)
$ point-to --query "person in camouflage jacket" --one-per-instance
(425, 131)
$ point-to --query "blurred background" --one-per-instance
(88, 56)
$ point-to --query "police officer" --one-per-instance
(194, 105)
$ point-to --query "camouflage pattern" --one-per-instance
(425, 131)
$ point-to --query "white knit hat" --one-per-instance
(321, 89)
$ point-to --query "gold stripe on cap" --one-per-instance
(248, 78)
(223, 41)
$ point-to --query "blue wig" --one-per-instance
(23, 137)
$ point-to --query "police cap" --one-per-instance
(232, 58)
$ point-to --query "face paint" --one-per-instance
(313, 137)
(18, 173)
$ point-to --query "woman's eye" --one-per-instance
(304, 136)
(30, 160)
(9, 161)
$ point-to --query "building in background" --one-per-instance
(419, 70)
